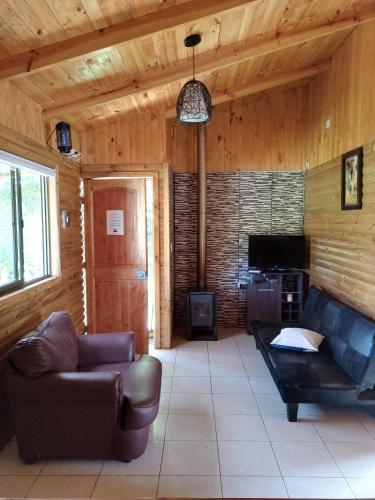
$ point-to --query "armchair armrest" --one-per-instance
(101, 348)
(66, 414)
(67, 387)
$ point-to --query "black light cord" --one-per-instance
(193, 63)
(49, 138)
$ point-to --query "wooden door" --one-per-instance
(116, 257)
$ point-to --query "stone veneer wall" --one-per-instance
(238, 204)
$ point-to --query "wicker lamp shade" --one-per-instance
(194, 102)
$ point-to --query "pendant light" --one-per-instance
(194, 102)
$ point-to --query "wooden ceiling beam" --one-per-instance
(126, 31)
(210, 61)
(262, 84)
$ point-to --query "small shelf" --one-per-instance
(267, 297)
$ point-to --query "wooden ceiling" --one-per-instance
(47, 49)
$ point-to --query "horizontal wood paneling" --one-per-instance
(342, 242)
(22, 133)
(264, 132)
(23, 310)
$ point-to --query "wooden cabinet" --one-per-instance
(263, 302)
(274, 297)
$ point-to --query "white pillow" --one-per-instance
(298, 339)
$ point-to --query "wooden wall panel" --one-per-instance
(139, 143)
(22, 132)
(138, 139)
(344, 96)
(22, 310)
(342, 243)
(263, 132)
(20, 113)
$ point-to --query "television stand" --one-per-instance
(274, 297)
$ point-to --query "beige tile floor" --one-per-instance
(221, 431)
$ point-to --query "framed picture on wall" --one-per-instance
(351, 180)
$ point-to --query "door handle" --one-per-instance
(266, 290)
(141, 275)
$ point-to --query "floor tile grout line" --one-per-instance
(217, 442)
(351, 489)
(31, 486)
(97, 479)
(273, 451)
(333, 458)
(36, 477)
(162, 455)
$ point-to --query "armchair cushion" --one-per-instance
(51, 347)
(141, 388)
(102, 348)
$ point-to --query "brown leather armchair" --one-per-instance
(81, 397)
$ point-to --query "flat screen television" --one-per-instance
(276, 252)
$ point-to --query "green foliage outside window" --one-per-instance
(24, 238)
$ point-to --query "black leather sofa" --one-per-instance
(342, 372)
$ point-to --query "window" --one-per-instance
(24, 222)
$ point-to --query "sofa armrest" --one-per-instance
(67, 387)
(101, 348)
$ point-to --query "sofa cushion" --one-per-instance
(141, 385)
(316, 303)
(350, 337)
(303, 369)
(52, 346)
(307, 370)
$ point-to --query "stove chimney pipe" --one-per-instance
(202, 207)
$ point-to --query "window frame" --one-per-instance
(17, 223)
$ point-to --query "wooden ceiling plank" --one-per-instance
(228, 35)
(35, 24)
(73, 21)
(47, 18)
(95, 13)
(9, 40)
(126, 54)
(166, 47)
(262, 84)
(132, 29)
(210, 61)
(17, 24)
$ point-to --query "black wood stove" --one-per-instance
(202, 315)
(202, 310)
